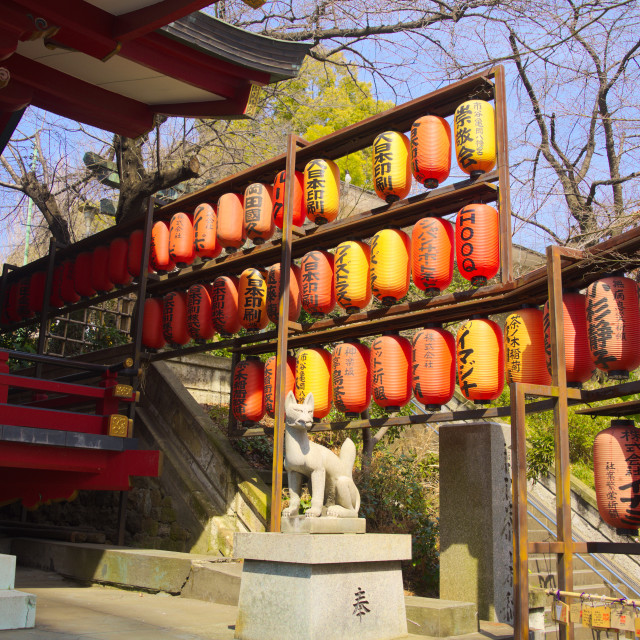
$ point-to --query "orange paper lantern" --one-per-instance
(247, 395)
(351, 378)
(174, 318)
(390, 265)
(159, 255)
(321, 191)
(474, 128)
(152, 333)
(433, 374)
(313, 375)
(100, 270)
(205, 228)
(577, 357)
(391, 166)
(613, 325)
(181, 237)
(351, 275)
(316, 275)
(273, 293)
(224, 305)
(118, 271)
(616, 470)
(480, 356)
(279, 191)
(432, 255)
(524, 347)
(231, 234)
(270, 383)
(199, 320)
(391, 369)
(478, 243)
(258, 212)
(430, 150)
(252, 300)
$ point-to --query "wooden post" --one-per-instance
(560, 415)
(283, 330)
(519, 493)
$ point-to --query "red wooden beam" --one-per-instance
(52, 386)
(79, 100)
(20, 416)
(137, 23)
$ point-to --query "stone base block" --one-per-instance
(302, 524)
(440, 618)
(7, 571)
(321, 587)
(17, 610)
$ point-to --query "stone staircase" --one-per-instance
(590, 576)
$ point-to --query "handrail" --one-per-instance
(65, 362)
(536, 505)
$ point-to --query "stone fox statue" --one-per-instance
(331, 476)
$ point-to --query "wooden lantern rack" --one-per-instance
(564, 267)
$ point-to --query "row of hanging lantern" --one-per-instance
(90, 273)
(426, 154)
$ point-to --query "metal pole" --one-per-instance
(283, 330)
(504, 201)
(560, 415)
(519, 493)
(25, 258)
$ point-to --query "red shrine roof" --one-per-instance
(115, 64)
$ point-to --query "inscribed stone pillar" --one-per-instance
(476, 548)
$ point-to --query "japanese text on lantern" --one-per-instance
(311, 280)
(253, 203)
(464, 138)
(514, 352)
(383, 162)
(193, 308)
(239, 390)
(427, 249)
(466, 364)
(342, 273)
(602, 329)
(315, 186)
(466, 220)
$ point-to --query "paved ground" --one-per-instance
(69, 611)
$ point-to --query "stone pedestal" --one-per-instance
(17, 609)
(476, 548)
(321, 586)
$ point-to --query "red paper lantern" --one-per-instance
(524, 346)
(258, 212)
(433, 367)
(270, 383)
(391, 166)
(199, 320)
(181, 237)
(118, 262)
(391, 366)
(351, 268)
(224, 305)
(432, 255)
(613, 325)
(100, 270)
(231, 234)
(159, 255)
(480, 356)
(252, 300)
(478, 243)
(68, 291)
(24, 310)
(37, 285)
(313, 375)
(174, 318)
(152, 325)
(351, 378)
(577, 357)
(205, 232)
(316, 275)
(12, 306)
(247, 395)
(297, 207)
(82, 270)
(430, 150)
(390, 265)
(616, 470)
(136, 248)
(273, 293)
(55, 299)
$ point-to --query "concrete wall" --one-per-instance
(206, 378)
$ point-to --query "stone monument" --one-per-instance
(323, 577)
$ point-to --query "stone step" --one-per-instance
(17, 609)
(539, 563)
(540, 535)
(580, 577)
(440, 618)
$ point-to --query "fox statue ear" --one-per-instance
(289, 400)
(308, 401)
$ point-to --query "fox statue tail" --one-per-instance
(348, 454)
